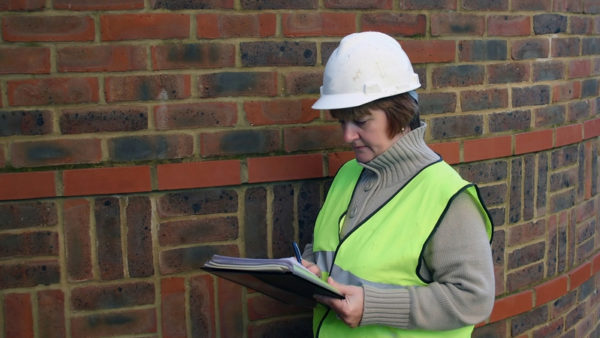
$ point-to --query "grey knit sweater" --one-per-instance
(457, 257)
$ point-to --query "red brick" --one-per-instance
(313, 138)
(303, 82)
(48, 28)
(173, 307)
(230, 308)
(92, 5)
(336, 160)
(596, 264)
(147, 88)
(395, 23)
(424, 51)
(18, 315)
(140, 258)
(29, 244)
(78, 245)
(129, 322)
(198, 174)
(20, 5)
(579, 275)
(533, 141)
(52, 91)
(445, 24)
(213, 26)
(15, 186)
(51, 313)
(280, 112)
(449, 151)
(238, 142)
(29, 274)
(101, 58)
(284, 168)
(569, 135)
(591, 128)
(318, 24)
(192, 56)
(487, 148)
(566, 91)
(99, 181)
(214, 229)
(116, 27)
(112, 296)
(197, 4)
(25, 60)
(202, 305)
(195, 115)
(512, 305)
(579, 68)
(550, 290)
(55, 152)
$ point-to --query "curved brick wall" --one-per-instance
(137, 138)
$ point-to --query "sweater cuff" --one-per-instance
(389, 307)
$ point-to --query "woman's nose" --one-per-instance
(350, 132)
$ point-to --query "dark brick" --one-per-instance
(147, 88)
(453, 23)
(437, 103)
(29, 244)
(564, 157)
(198, 231)
(531, 5)
(393, 23)
(239, 142)
(27, 214)
(55, 152)
(523, 277)
(531, 96)
(527, 232)
(195, 115)
(127, 322)
(564, 179)
(491, 5)
(526, 255)
(292, 328)
(192, 4)
(507, 121)
(529, 320)
(498, 216)
(529, 187)
(139, 237)
(191, 259)
(457, 76)
(575, 315)
(492, 330)
(238, 84)
(326, 49)
(483, 99)
(93, 120)
(202, 202)
(550, 116)
(312, 138)
(108, 236)
(23, 122)
(112, 296)
(201, 300)
(21, 275)
(565, 47)
(283, 220)
(508, 73)
(193, 56)
(150, 147)
(456, 126)
(550, 329)
(493, 194)
(78, 244)
(548, 70)
(51, 311)
(87, 5)
(589, 88)
(515, 198)
(305, 82)
(255, 219)
(482, 50)
(429, 4)
(308, 205)
(272, 54)
(549, 24)
(530, 49)
(358, 4)
(579, 110)
(278, 4)
(563, 304)
(590, 46)
(22, 6)
(484, 172)
(562, 201)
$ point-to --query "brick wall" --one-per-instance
(139, 137)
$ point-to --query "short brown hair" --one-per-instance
(401, 110)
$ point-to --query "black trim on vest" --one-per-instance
(439, 221)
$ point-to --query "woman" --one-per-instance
(400, 234)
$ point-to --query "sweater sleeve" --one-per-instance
(459, 262)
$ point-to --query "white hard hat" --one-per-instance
(365, 67)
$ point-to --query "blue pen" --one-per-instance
(297, 252)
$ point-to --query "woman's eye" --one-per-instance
(359, 122)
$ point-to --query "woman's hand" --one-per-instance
(349, 309)
(312, 267)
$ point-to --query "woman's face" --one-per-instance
(368, 135)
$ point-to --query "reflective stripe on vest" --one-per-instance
(385, 249)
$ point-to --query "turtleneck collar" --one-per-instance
(403, 159)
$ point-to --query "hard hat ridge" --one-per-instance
(365, 67)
